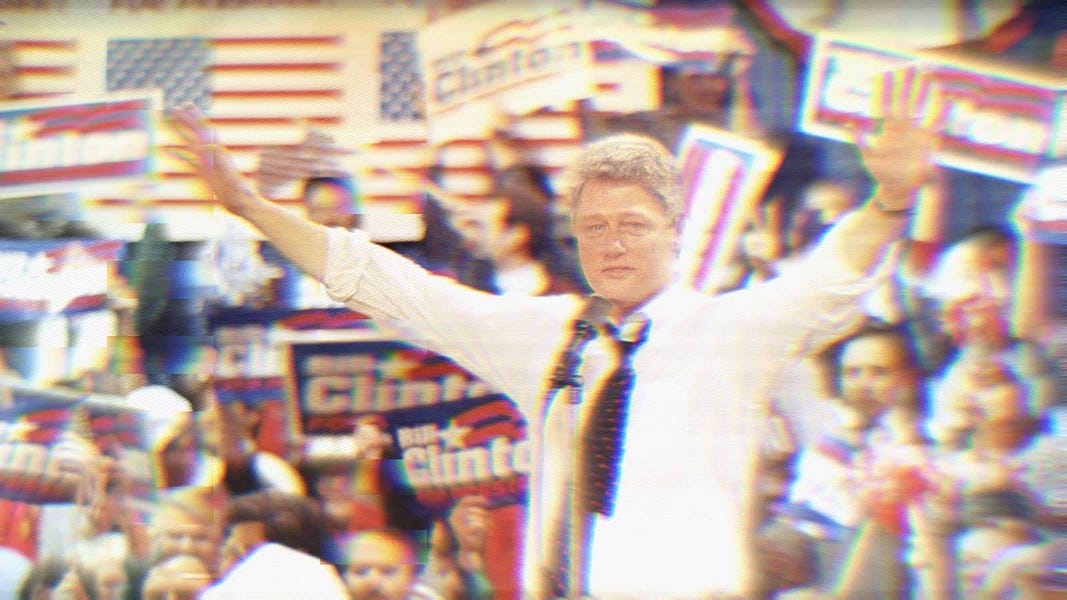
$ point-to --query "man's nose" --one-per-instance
(614, 244)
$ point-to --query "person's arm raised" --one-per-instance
(899, 158)
(300, 240)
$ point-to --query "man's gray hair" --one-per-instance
(631, 158)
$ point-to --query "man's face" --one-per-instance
(180, 457)
(379, 568)
(483, 228)
(977, 551)
(700, 91)
(627, 244)
(875, 375)
(179, 578)
(178, 532)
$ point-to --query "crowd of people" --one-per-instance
(916, 455)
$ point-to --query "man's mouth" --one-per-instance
(617, 271)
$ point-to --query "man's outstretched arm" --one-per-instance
(300, 240)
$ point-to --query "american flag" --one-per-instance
(44, 68)
(257, 91)
(264, 90)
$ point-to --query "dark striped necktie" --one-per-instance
(601, 446)
(603, 440)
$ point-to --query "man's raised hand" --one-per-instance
(209, 159)
(898, 148)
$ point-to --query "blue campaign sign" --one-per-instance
(453, 434)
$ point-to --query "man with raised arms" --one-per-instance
(678, 522)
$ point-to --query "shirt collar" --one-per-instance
(667, 301)
(658, 307)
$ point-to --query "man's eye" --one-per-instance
(596, 227)
(635, 227)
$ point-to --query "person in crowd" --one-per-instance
(985, 353)
(714, 92)
(332, 200)
(835, 491)
(363, 490)
(692, 428)
(996, 523)
(50, 578)
(823, 203)
(383, 564)
(456, 565)
(100, 567)
(247, 468)
(185, 522)
(513, 231)
(169, 428)
(988, 467)
(271, 550)
(180, 577)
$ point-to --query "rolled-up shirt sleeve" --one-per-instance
(506, 341)
(812, 304)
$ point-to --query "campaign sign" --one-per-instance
(723, 175)
(516, 56)
(40, 278)
(994, 119)
(454, 435)
(59, 146)
(39, 463)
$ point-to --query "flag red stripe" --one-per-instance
(75, 172)
(274, 41)
(44, 70)
(38, 95)
(44, 44)
(258, 67)
(330, 93)
(259, 121)
(80, 113)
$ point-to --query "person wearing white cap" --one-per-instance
(171, 439)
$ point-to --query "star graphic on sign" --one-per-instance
(16, 432)
(452, 436)
(396, 367)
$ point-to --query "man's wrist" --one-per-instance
(902, 210)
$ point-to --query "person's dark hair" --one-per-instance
(45, 574)
(342, 181)
(288, 519)
(898, 334)
(526, 191)
(414, 542)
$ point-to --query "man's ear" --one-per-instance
(677, 226)
(521, 234)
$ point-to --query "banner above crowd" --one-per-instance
(996, 120)
(512, 57)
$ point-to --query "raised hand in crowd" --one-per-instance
(371, 439)
(279, 166)
(469, 520)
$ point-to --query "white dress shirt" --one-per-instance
(682, 523)
(273, 571)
